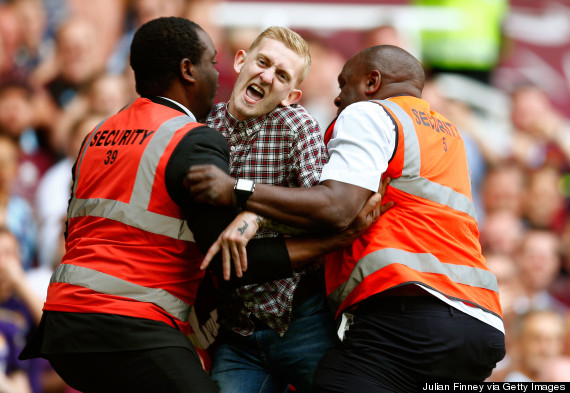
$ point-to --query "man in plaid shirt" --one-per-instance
(273, 334)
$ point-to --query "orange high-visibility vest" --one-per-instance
(129, 250)
(430, 237)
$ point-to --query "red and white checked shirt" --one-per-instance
(283, 148)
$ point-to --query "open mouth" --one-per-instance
(254, 93)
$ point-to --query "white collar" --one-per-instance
(186, 110)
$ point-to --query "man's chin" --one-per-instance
(248, 111)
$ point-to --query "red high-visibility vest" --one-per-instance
(129, 250)
(430, 237)
(329, 131)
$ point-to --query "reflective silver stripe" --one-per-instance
(151, 156)
(437, 193)
(426, 263)
(135, 213)
(110, 285)
(411, 182)
(133, 216)
(412, 153)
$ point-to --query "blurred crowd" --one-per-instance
(64, 66)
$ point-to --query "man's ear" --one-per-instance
(292, 98)
(239, 60)
(373, 82)
(187, 70)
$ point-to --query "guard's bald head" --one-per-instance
(379, 72)
(395, 65)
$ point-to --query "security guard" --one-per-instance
(115, 318)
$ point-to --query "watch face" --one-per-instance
(244, 185)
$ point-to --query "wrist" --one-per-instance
(260, 221)
(243, 188)
(256, 219)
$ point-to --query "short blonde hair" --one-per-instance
(291, 40)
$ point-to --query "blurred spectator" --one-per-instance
(137, 13)
(74, 65)
(555, 370)
(566, 350)
(17, 121)
(36, 45)
(105, 95)
(561, 286)
(203, 13)
(107, 17)
(510, 286)
(16, 321)
(538, 336)
(541, 134)
(13, 278)
(15, 212)
(10, 41)
(53, 195)
(538, 260)
(503, 188)
(543, 204)
(385, 35)
(57, 11)
(320, 87)
(20, 311)
(75, 62)
(501, 233)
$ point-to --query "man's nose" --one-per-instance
(267, 75)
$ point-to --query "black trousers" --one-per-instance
(170, 369)
(398, 343)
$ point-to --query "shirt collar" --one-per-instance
(248, 126)
(171, 104)
(186, 110)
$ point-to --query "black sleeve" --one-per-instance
(268, 259)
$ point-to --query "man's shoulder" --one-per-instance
(294, 114)
(293, 110)
(365, 105)
(359, 108)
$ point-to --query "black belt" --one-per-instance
(403, 304)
